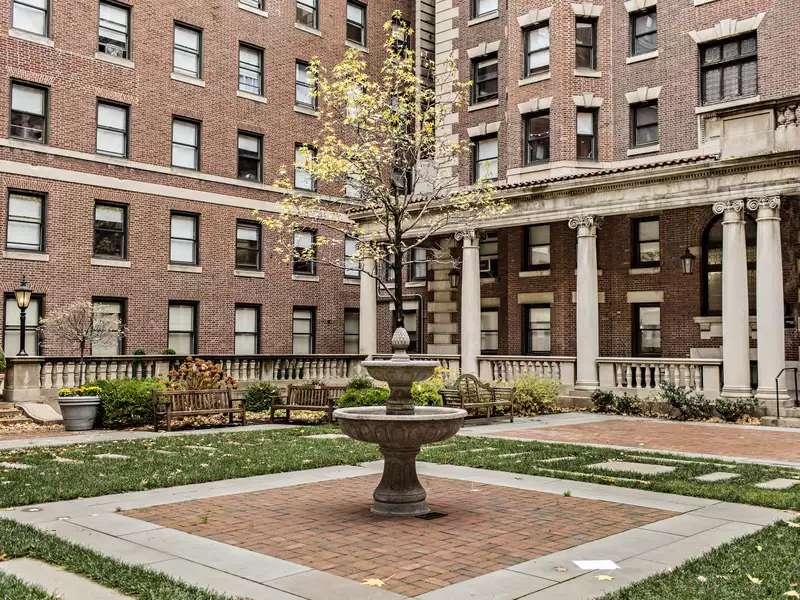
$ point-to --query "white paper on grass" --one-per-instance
(596, 565)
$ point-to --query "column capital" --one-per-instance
(468, 236)
(585, 224)
(771, 202)
(728, 205)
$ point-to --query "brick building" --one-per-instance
(649, 151)
(138, 138)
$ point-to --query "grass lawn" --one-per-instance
(769, 557)
(17, 541)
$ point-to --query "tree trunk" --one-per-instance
(399, 320)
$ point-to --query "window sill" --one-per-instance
(255, 11)
(641, 57)
(356, 46)
(725, 105)
(644, 270)
(310, 30)
(534, 78)
(488, 280)
(527, 274)
(31, 37)
(299, 277)
(701, 2)
(644, 150)
(187, 79)
(249, 96)
(248, 273)
(304, 110)
(111, 262)
(351, 281)
(23, 255)
(483, 18)
(416, 284)
(482, 105)
(114, 60)
(184, 268)
(588, 73)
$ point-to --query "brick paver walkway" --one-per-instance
(723, 440)
(328, 526)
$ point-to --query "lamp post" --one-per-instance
(687, 262)
(454, 275)
(23, 297)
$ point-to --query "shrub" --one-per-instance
(360, 382)
(127, 402)
(260, 396)
(628, 404)
(169, 351)
(426, 392)
(692, 405)
(199, 374)
(733, 409)
(535, 395)
(81, 390)
(603, 401)
(374, 396)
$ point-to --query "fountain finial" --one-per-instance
(400, 343)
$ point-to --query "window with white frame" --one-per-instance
(586, 125)
(187, 51)
(246, 329)
(537, 329)
(537, 247)
(356, 23)
(110, 230)
(303, 330)
(182, 327)
(352, 264)
(484, 7)
(112, 311)
(251, 69)
(304, 85)
(249, 156)
(248, 245)
(537, 49)
(185, 144)
(31, 16)
(28, 112)
(418, 265)
(112, 129)
(485, 154)
(25, 227)
(488, 252)
(113, 35)
(351, 325)
(307, 13)
(183, 239)
(490, 330)
(305, 252)
(303, 180)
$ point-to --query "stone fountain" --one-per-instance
(400, 429)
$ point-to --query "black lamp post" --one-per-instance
(23, 297)
(687, 262)
(455, 277)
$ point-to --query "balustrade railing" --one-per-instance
(642, 374)
(510, 368)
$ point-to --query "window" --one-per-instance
(112, 129)
(25, 230)
(182, 327)
(490, 330)
(587, 134)
(712, 266)
(484, 78)
(305, 252)
(30, 15)
(304, 86)
(537, 329)
(356, 23)
(418, 265)
(644, 32)
(537, 244)
(645, 124)
(110, 230)
(351, 324)
(537, 49)
(303, 330)
(248, 245)
(646, 244)
(537, 138)
(183, 239)
(186, 51)
(485, 159)
(112, 311)
(250, 69)
(411, 324)
(113, 34)
(586, 44)
(307, 13)
(729, 69)
(647, 329)
(353, 187)
(303, 180)
(352, 265)
(11, 326)
(185, 144)
(28, 112)
(249, 156)
(488, 253)
(246, 329)
(483, 7)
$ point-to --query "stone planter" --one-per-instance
(79, 412)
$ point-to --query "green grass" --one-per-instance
(769, 556)
(527, 457)
(17, 541)
(167, 461)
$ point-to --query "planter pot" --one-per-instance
(79, 412)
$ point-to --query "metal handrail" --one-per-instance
(777, 391)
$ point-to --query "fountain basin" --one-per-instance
(399, 437)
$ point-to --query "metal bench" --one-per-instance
(469, 393)
(318, 398)
(170, 404)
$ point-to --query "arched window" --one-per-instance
(712, 266)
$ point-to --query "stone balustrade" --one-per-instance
(647, 375)
(509, 368)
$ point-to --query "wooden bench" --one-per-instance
(169, 404)
(469, 392)
(318, 398)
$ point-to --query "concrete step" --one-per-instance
(9, 412)
(782, 422)
(14, 420)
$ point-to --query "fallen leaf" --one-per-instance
(753, 580)
(374, 582)
(604, 578)
(759, 548)
(701, 579)
(3, 557)
(791, 594)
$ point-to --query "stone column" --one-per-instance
(368, 309)
(769, 298)
(470, 302)
(587, 321)
(735, 312)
